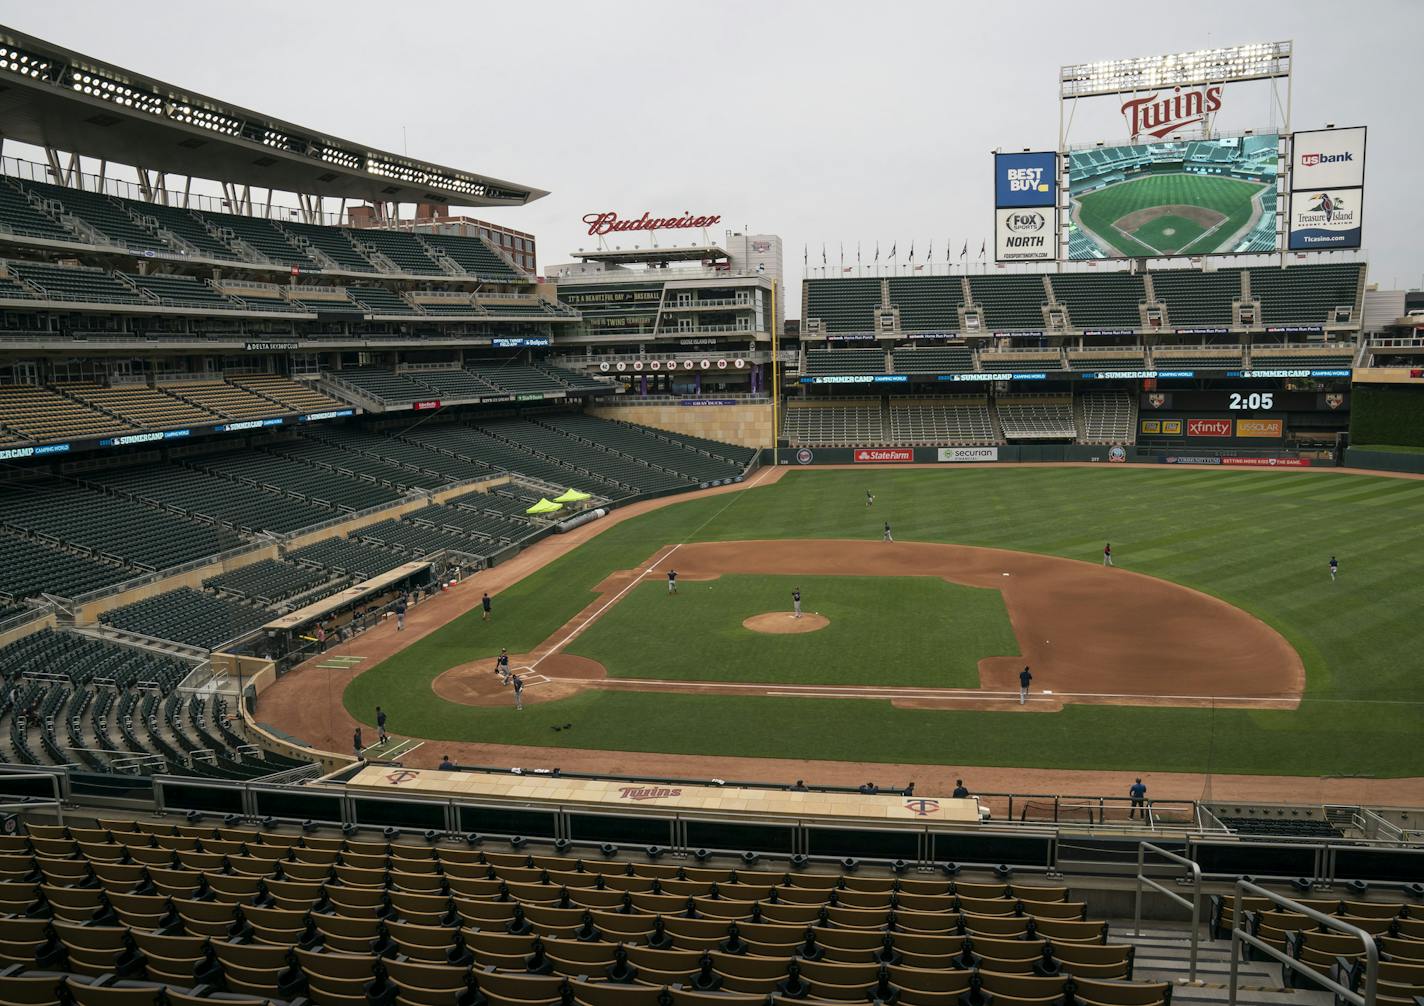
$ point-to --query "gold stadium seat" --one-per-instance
(94, 950)
(34, 988)
(1102, 993)
(170, 959)
(128, 994)
(252, 968)
(20, 938)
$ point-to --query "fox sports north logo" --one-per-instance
(1025, 222)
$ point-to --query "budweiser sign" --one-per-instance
(609, 222)
(1157, 116)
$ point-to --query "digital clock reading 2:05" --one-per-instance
(1249, 401)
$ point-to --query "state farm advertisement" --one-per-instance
(883, 455)
(1208, 427)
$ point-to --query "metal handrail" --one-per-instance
(1194, 904)
(1240, 935)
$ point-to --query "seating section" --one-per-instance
(451, 385)
(1127, 359)
(268, 581)
(1109, 418)
(1305, 294)
(185, 490)
(107, 216)
(223, 399)
(405, 251)
(1020, 363)
(361, 467)
(186, 227)
(277, 915)
(572, 379)
(666, 451)
(843, 305)
(41, 414)
(260, 296)
(954, 420)
(188, 616)
(833, 424)
(502, 456)
(334, 243)
(139, 405)
(294, 395)
(927, 303)
(21, 217)
(1100, 300)
(383, 385)
(474, 256)
(514, 378)
(73, 283)
(29, 567)
(844, 361)
(1010, 302)
(1197, 357)
(1330, 357)
(592, 459)
(356, 559)
(1195, 299)
(180, 291)
(321, 486)
(104, 706)
(117, 530)
(1035, 417)
(261, 236)
(933, 359)
(379, 300)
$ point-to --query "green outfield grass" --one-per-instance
(890, 630)
(1259, 540)
(1099, 212)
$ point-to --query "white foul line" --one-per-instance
(651, 569)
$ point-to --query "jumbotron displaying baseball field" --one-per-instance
(1173, 198)
(1218, 641)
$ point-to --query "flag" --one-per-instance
(948, 247)
(842, 256)
(823, 253)
(982, 247)
(877, 251)
(892, 251)
(912, 251)
(805, 256)
(857, 253)
(963, 252)
(929, 255)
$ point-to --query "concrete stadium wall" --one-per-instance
(29, 628)
(744, 424)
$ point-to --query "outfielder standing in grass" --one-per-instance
(869, 498)
(796, 601)
(1107, 554)
(1334, 568)
(485, 603)
(672, 581)
(887, 536)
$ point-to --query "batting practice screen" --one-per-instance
(1196, 197)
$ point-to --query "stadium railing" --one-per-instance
(1240, 935)
(1194, 905)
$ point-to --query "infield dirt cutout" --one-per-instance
(1091, 634)
(779, 623)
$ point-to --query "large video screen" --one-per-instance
(1180, 197)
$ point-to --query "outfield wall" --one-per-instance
(1046, 454)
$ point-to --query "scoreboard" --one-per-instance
(1243, 401)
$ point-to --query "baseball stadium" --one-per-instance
(388, 617)
(1174, 198)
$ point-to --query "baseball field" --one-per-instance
(1218, 643)
(1170, 214)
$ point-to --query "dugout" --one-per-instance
(291, 638)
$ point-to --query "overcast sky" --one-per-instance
(824, 122)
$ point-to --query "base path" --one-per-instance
(1092, 634)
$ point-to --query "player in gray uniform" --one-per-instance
(796, 601)
(887, 536)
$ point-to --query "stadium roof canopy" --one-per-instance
(652, 256)
(59, 99)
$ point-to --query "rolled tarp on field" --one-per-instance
(544, 507)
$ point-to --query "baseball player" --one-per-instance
(485, 604)
(1025, 679)
(518, 692)
(796, 601)
(672, 581)
(501, 666)
(1334, 568)
(888, 536)
(381, 725)
(869, 499)
(356, 742)
(1107, 554)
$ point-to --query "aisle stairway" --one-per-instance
(1163, 953)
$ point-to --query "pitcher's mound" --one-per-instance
(780, 622)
